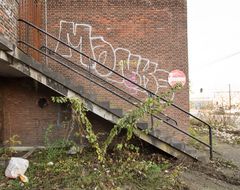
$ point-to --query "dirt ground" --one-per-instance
(223, 174)
(229, 152)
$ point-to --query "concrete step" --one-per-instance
(80, 89)
(60, 84)
(166, 137)
(116, 111)
(92, 97)
(178, 144)
(105, 104)
(142, 126)
(202, 157)
(190, 150)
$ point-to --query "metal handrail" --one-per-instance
(137, 85)
(99, 78)
(166, 122)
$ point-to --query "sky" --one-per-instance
(214, 45)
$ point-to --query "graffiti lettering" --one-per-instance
(134, 67)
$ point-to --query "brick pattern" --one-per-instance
(8, 19)
(20, 114)
(23, 116)
(156, 30)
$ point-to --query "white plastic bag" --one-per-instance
(16, 167)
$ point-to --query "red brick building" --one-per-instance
(116, 52)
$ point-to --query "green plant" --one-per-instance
(151, 105)
(8, 149)
(122, 170)
(55, 148)
(79, 118)
(47, 134)
(217, 118)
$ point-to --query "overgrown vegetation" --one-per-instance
(217, 119)
(151, 105)
(7, 150)
(123, 167)
(54, 148)
(225, 126)
(203, 136)
(121, 170)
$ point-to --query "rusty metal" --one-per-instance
(32, 11)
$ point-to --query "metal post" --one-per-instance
(230, 97)
(27, 37)
(210, 143)
(90, 75)
(150, 95)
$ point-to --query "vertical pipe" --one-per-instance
(27, 27)
(19, 24)
(37, 19)
(28, 17)
(46, 28)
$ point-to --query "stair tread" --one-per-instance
(158, 133)
(117, 111)
(105, 104)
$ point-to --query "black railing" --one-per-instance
(126, 79)
(127, 97)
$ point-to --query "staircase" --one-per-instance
(62, 84)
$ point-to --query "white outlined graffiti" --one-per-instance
(145, 73)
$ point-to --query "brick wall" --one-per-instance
(21, 115)
(142, 40)
(8, 19)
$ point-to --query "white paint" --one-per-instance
(176, 77)
(145, 74)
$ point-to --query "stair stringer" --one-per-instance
(59, 84)
(39, 72)
(162, 145)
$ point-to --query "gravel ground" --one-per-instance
(216, 178)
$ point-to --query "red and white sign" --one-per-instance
(176, 77)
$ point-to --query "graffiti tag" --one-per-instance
(136, 68)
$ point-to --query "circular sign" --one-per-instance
(176, 77)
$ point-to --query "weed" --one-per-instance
(219, 162)
(56, 148)
(121, 170)
(151, 105)
(7, 150)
